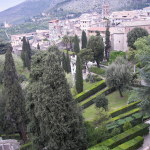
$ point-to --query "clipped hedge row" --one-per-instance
(133, 144)
(127, 114)
(86, 103)
(139, 130)
(133, 119)
(11, 136)
(124, 109)
(97, 87)
(27, 146)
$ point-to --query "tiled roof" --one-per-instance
(97, 29)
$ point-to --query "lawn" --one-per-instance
(114, 103)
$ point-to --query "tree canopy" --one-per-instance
(134, 34)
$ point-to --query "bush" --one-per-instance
(115, 54)
(127, 126)
(115, 131)
(101, 101)
(97, 70)
(11, 136)
(95, 78)
(131, 145)
(124, 109)
(139, 130)
(97, 87)
(100, 148)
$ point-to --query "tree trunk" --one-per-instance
(98, 64)
(120, 92)
(22, 132)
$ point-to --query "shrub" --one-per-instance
(127, 126)
(115, 131)
(115, 54)
(97, 87)
(139, 130)
(95, 78)
(101, 101)
(131, 145)
(100, 148)
(97, 70)
(124, 109)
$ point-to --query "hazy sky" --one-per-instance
(4, 4)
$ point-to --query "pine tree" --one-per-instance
(64, 63)
(76, 44)
(13, 95)
(84, 40)
(55, 121)
(68, 63)
(107, 44)
(38, 46)
(26, 53)
(79, 77)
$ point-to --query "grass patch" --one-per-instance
(115, 102)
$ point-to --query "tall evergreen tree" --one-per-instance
(79, 77)
(38, 46)
(13, 95)
(68, 63)
(97, 45)
(64, 62)
(84, 40)
(26, 53)
(76, 44)
(55, 121)
(107, 43)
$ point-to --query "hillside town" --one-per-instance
(119, 22)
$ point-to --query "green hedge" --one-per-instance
(86, 103)
(133, 144)
(133, 119)
(69, 52)
(97, 87)
(124, 115)
(97, 70)
(27, 146)
(124, 109)
(11, 136)
(139, 130)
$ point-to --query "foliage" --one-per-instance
(64, 63)
(134, 34)
(69, 78)
(115, 54)
(132, 144)
(115, 131)
(95, 78)
(38, 46)
(101, 101)
(98, 71)
(55, 120)
(84, 40)
(95, 135)
(118, 74)
(107, 43)
(66, 41)
(79, 76)
(143, 55)
(68, 63)
(97, 45)
(99, 148)
(94, 89)
(26, 53)
(3, 47)
(127, 126)
(139, 130)
(13, 95)
(76, 44)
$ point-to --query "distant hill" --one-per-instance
(58, 8)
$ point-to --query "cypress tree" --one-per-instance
(107, 44)
(64, 63)
(13, 95)
(79, 77)
(38, 46)
(84, 40)
(68, 63)
(55, 121)
(26, 53)
(76, 44)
